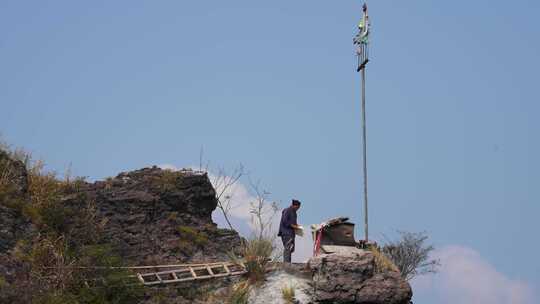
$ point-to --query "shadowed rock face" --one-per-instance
(351, 278)
(16, 171)
(159, 216)
(12, 224)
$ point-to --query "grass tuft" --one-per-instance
(288, 293)
(257, 253)
(240, 293)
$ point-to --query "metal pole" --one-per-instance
(365, 152)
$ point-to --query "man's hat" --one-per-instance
(296, 202)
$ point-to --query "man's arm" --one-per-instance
(293, 220)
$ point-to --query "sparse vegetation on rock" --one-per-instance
(411, 254)
(62, 239)
(69, 240)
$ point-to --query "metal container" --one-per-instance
(341, 234)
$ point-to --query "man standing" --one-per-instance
(286, 229)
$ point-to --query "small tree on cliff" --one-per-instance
(224, 183)
(411, 254)
(263, 212)
(259, 249)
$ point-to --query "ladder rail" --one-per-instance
(175, 276)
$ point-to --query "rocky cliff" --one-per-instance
(144, 217)
(154, 216)
(14, 179)
(149, 215)
(53, 233)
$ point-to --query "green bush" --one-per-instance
(191, 238)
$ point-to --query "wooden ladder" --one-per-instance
(192, 272)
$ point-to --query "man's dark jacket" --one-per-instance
(288, 218)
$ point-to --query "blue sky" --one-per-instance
(452, 92)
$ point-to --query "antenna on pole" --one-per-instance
(361, 41)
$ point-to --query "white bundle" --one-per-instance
(299, 231)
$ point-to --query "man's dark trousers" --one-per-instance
(288, 247)
(286, 232)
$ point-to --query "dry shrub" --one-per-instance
(9, 194)
(288, 293)
(45, 208)
(382, 262)
(62, 273)
(257, 253)
(411, 254)
(58, 264)
(51, 265)
(233, 294)
(240, 293)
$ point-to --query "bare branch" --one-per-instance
(263, 211)
(224, 184)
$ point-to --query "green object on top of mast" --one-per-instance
(363, 28)
(361, 40)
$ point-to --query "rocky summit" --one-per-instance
(56, 236)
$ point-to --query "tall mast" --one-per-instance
(361, 41)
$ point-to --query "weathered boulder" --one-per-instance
(353, 278)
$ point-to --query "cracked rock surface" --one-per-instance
(352, 278)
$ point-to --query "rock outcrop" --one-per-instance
(154, 216)
(13, 225)
(13, 187)
(353, 278)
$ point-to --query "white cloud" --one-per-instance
(240, 198)
(466, 278)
